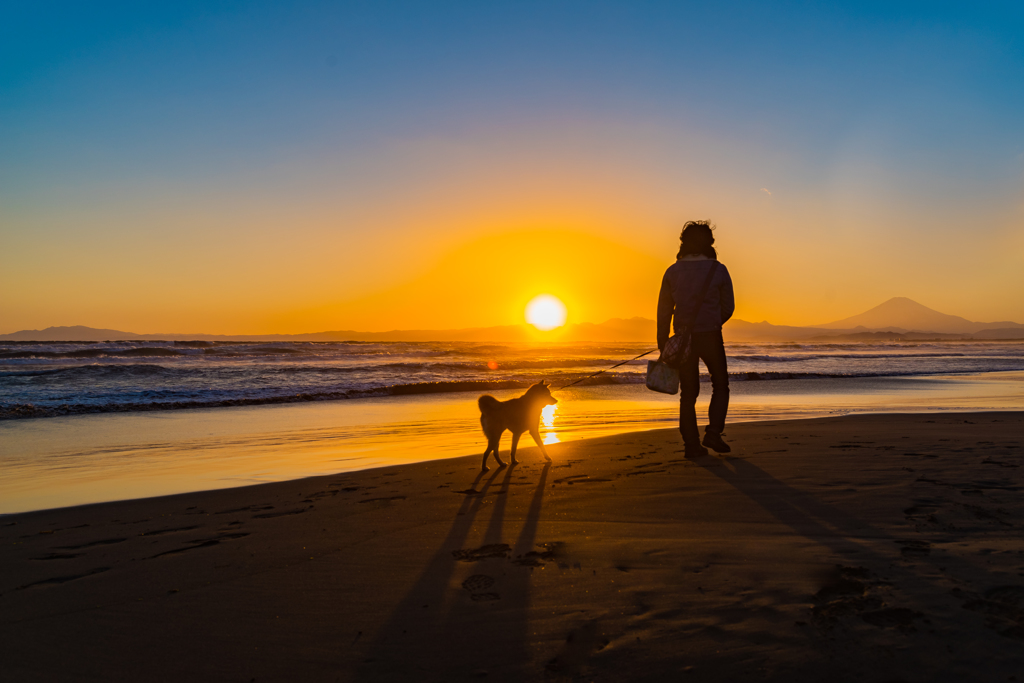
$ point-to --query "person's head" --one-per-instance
(697, 238)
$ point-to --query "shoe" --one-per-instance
(713, 440)
(695, 452)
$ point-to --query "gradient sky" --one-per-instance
(259, 167)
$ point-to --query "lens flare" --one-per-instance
(545, 312)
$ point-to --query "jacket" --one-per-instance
(678, 298)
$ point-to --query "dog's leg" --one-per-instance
(483, 466)
(535, 433)
(501, 463)
(515, 444)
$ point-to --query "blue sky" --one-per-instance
(901, 118)
(251, 80)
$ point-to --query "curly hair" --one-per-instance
(697, 238)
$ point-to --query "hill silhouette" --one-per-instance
(616, 329)
(71, 333)
(896, 317)
(902, 314)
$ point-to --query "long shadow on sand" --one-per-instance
(446, 629)
(803, 513)
(900, 559)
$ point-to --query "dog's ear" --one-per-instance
(544, 383)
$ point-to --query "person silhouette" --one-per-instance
(677, 303)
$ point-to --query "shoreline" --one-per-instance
(314, 477)
(881, 546)
(371, 464)
(505, 449)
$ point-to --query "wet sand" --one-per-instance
(82, 459)
(867, 547)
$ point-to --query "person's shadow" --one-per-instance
(447, 630)
(904, 560)
(803, 513)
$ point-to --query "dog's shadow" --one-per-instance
(438, 624)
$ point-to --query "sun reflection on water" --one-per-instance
(547, 416)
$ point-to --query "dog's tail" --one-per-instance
(487, 403)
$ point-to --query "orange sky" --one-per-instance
(471, 229)
(282, 170)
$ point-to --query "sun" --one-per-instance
(545, 312)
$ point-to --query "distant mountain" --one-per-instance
(72, 333)
(616, 329)
(904, 315)
(896, 318)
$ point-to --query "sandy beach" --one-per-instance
(868, 547)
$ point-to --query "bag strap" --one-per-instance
(703, 293)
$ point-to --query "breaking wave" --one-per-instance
(93, 353)
(69, 378)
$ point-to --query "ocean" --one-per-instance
(89, 422)
(46, 380)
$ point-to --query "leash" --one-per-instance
(645, 353)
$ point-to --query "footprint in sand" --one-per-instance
(201, 544)
(247, 508)
(914, 548)
(169, 530)
(283, 513)
(477, 585)
(64, 579)
(900, 617)
(105, 541)
(845, 593)
(633, 474)
(923, 510)
(58, 556)
(988, 515)
(383, 499)
(478, 582)
(1003, 607)
(481, 553)
(580, 479)
(536, 558)
(1000, 463)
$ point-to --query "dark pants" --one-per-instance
(708, 347)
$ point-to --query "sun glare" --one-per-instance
(547, 416)
(545, 312)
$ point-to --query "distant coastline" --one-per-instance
(898, 319)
